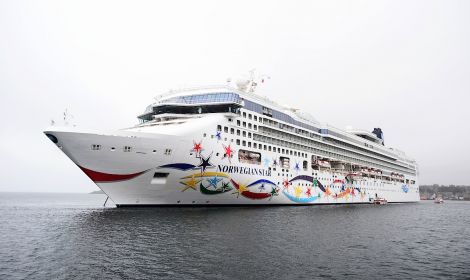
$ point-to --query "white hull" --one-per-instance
(137, 177)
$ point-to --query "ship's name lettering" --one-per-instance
(243, 170)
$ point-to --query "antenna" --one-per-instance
(67, 116)
(252, 82)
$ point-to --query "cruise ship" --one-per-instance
(228, 145)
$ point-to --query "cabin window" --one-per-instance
(249, 134)
(238, 132)
(305, 165)
(269, 148)
(238, 122)
(250, 157)
(219, 127)
(255, 127)
(249, 144)
(244, 133)
(244, 124)
(238, 142)
(255, 145)
(243, 143)
(159, 178)
(225, 129)
(96, 147)
(244, 114)
(127, 148)
(249, 116)
(249, 125)
(232, 131)
(167, 152)
(255, 118)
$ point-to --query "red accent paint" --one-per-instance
(96, 176)
(250, 194)
(197, 147)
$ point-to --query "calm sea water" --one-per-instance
(71, 236)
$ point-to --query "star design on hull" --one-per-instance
(205, 163)
(228, 152)
(274, 192)
(225, 186)
(213, 182)
(191, 183)
(241, 189)
(297, 167)
(285, 183)
(298, 191)
(308, 192)
(197, 147)
(218, 135)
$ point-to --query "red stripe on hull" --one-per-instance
(101, 177)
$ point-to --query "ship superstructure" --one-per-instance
(227, 145)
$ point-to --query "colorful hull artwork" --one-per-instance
(213, 183)
(302, 189)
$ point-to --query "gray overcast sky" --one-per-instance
(403, 66)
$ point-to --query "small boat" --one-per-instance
(438, 200)
(379, 201)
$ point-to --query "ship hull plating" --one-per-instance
(149, 169)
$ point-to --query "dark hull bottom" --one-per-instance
(246, 205)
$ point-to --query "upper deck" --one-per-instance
(228, 100)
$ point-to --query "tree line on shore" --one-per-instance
(457, 192)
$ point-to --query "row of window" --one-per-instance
(312, 135)
(275, 137)
(127, 149)
(327, 148)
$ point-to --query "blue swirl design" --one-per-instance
(179, 166)
(261, 181)
(300, 199)
(308, 179)
(303, 178)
